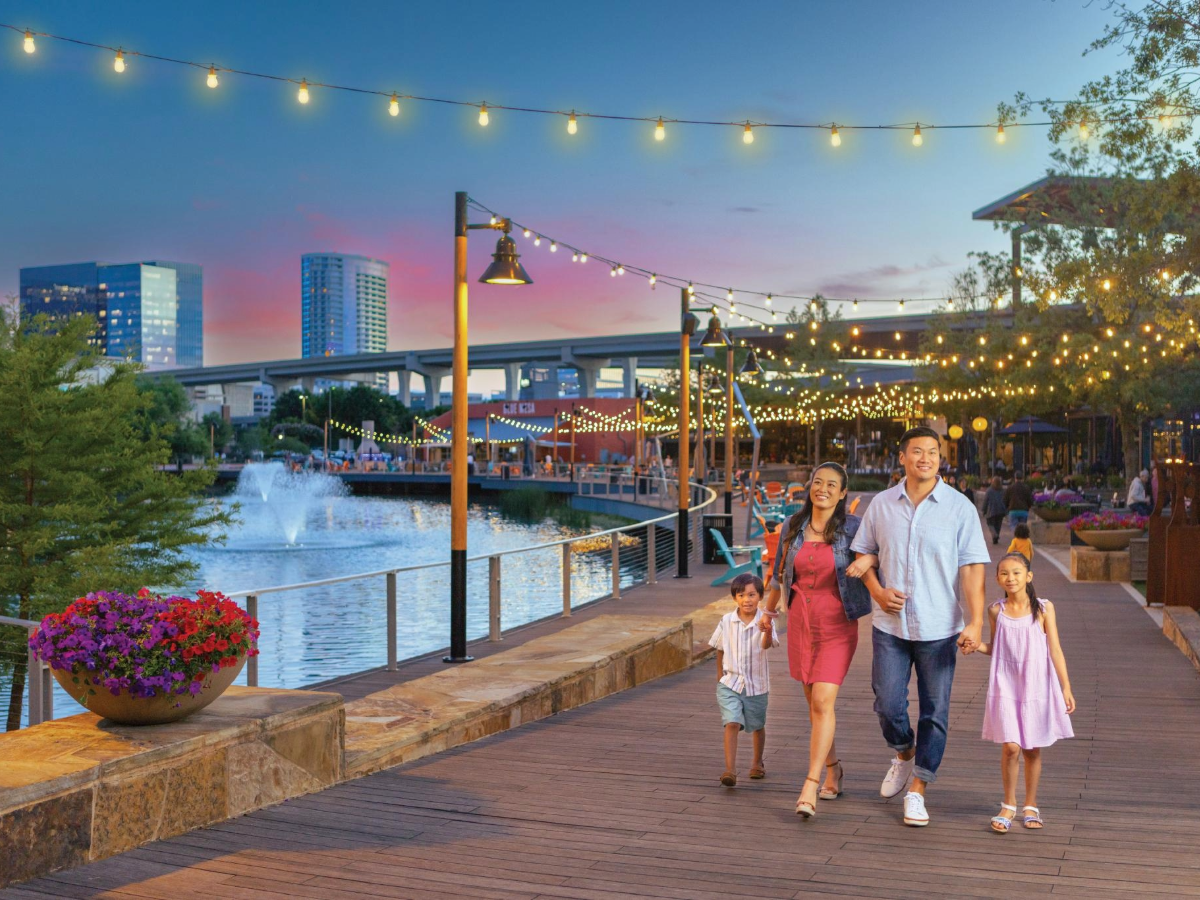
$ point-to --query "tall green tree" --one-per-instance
(165, 417)
(84, 504)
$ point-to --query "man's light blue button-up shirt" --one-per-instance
(920, 551)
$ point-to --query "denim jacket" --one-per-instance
(856, 599)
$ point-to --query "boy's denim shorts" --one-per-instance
(750, 712)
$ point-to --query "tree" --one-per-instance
(84, 504)
(165, 417)
(217, 430)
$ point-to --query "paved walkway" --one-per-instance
(620, 799)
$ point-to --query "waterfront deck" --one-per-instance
(619, 799)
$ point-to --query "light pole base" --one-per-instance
(458, 659)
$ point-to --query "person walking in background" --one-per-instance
(1018, 498)
(1022, 542)
(932, 557)
(1029, 699)
(994, 507)
(1138, 498)
(813, 564)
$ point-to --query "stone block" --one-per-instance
(1139, 558)
(1044, 532)
(1181, 625)
(46, 836)
(1088, 564)
(1118, 565)
(128, 812)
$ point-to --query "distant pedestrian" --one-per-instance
(1018, 499)
(1022, 542)
(1138, 498)
(743, 679)
(1029, 699)
(994, 508)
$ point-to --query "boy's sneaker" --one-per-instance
(897, 777)
(914, 810)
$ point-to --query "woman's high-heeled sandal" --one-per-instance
(825, 793)
(1001, 824)
(803, 807)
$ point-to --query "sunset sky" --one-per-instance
(243, 179)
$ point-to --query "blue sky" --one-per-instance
(152, 164)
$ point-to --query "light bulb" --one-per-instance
(900, 305)
(394, 105)
(29, 45)
(119, 62)
(691, 290)
(768, 299)
(492, 220)
(854, 306)
(583, 257)
(613, 272)
(554, 246)
(571, 126)
(212, 77)
(660, 133)
(729, 295)
(620, 269)
(834, 138)
(483, 114)
(302, 96)
(653, 279)
(1107, 285)
(526, 232)
(1000, 138)
(748, 135)
(1166, 275)
(917, 139)
(1053, 296)
(732, 307)
(537, 241)
(574, 257)
(1083, 130)
(812, 306)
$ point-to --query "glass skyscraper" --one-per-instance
(137, 306)
(343, 304)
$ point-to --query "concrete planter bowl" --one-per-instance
(125, 709)
(1109, 540)
(1052, 514)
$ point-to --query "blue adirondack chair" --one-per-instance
(754, 566)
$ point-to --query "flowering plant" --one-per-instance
(1109, 520)
(1060, 499)
(146, 644)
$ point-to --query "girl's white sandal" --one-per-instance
(1001, 824)
(1035, 821)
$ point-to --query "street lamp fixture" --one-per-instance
(751, 366)
(505, 269)
(714, 337)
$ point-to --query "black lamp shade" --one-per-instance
(506, 267)
(714, 337)
(751, 366)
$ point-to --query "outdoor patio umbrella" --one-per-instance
(1027, 427)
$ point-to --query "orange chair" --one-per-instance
(770, 546)
(774, 491)
(796, 492)
(854, 505)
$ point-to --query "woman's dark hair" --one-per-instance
(1034, 606)
(1021, 531)
(836, 521)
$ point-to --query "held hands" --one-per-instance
(861, 565)
(971, 638)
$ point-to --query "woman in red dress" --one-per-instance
(824, 603)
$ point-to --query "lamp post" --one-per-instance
(505, 269)
(687, 327)
(699, 462)
(728, 424)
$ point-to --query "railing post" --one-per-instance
(33, 678)
(566, 569)
(494, 599)
(47, 692)
(651, 555)
(391, 621)
(252, 662)
(616, 565)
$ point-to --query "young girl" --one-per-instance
(1029, 697)
(1021, 542)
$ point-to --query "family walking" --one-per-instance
(914, 561)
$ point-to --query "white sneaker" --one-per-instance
(897, 777)
(914, 810)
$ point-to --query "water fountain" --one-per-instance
(276, 504)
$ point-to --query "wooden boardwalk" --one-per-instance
(620, 799)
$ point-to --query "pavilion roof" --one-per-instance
(1055, 200)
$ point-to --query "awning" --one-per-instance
(533, 426)
(1030, 425)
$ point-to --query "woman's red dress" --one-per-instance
(820, 639)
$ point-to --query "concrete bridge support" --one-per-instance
(588, 369)
(512, 381)
(630, 365)
(404, 387)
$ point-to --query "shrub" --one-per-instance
(526, 504)
(866, 483)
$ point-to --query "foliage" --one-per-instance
(145, 644)
(84, 500)
(865, 483)
(1109, 520)
(214, 429)
(165, 418)
(352, 406)
(533, 504)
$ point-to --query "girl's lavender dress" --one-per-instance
(1025, 704)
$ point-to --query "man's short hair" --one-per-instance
(739, 584)
(919, 432)
(1019, 475)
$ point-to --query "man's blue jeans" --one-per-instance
(891, 668)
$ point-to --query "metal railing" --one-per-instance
(641, 556)
(39, 682)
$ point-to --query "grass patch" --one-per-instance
(866, 483)
(527, 504)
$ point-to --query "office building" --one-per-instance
(343, 306)
(145, 311)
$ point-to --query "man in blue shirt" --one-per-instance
(932, 556)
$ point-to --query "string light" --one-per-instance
(575, 257)
(394, 106)
(900, 305)
(554, 246)
(483, 114)
(660, 132)
(834, 138)
(854, 306)
(572, 127)
(526, 232)
(29, 45)
(620, 269)
(768, 299)
(613, 272)
(691, 290)
(537, 241)
(1083, 130)
(212, 77)
(583, 257)
(1000, 138)
(653, 280)
(729, 295)
(812, 306)
(119, 62)
(1107, 285)
(302, 94)
(748, 135)
(917, 140)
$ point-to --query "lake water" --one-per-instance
(304, 528)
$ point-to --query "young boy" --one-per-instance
(1021, 542)
(742, 677)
